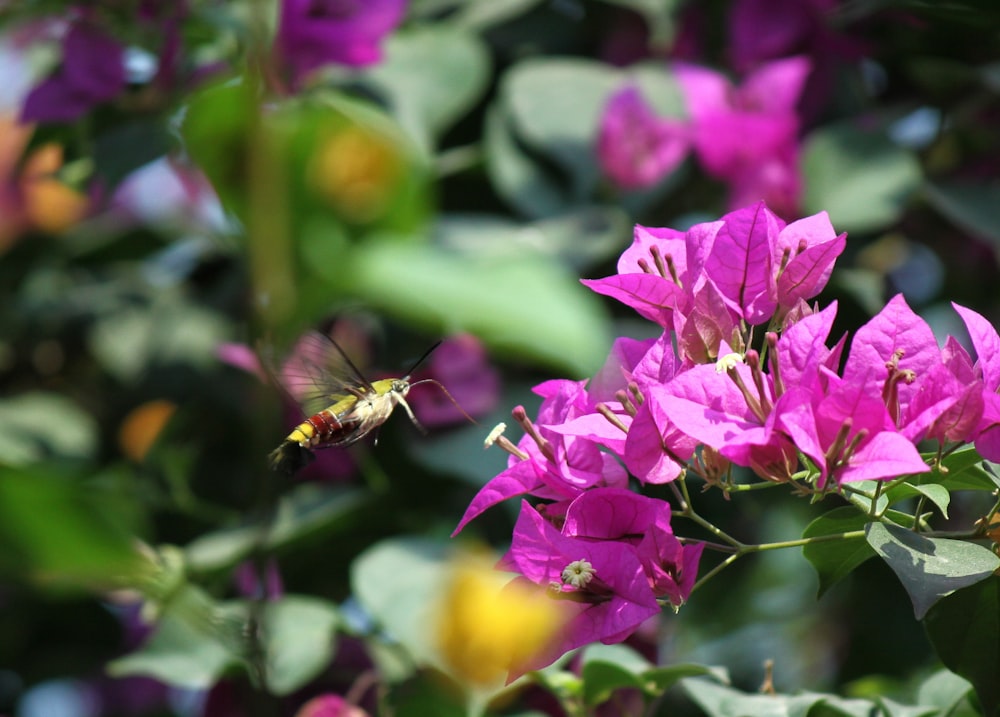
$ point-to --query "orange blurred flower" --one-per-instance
(142, 426)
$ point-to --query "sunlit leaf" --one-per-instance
(299, 640)
(432, 75)
(858, 176)
(526, 306)
(398, 582)
(195, 641)
(39, 425)
(930, 568)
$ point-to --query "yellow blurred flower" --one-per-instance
(142, 426)
(486, 623)
(356, 172)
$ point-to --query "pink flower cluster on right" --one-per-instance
(742, 374)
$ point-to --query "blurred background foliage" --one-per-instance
(152, 243)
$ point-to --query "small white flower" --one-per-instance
(727, 362)
(578, 573)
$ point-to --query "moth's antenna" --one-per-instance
(446, 393)
(420, 360)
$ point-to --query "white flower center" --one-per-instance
(578, 573)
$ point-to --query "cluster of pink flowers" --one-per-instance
(637, 148)
(742, 374)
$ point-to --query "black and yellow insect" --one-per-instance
(356, 407)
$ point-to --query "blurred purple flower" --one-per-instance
(747, 136)
(330, 705)
(765, 30)
(92, 71)
(250, 582)
(313, 33)
(635, 147)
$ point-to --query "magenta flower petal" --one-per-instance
(92, 71)
(886, 455)
(652, 297)
(608, 608)
(520, 478)
(313, 33)
(635, 147)
(740, 263)
(894, 329)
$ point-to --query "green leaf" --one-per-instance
(122, 149)
(578, 239)
(970, 205)
(895, 709)
(943, 689)
(170, 329)
(720, 701)
(521, 180)
(930, 568)
(299, 640)
(65, 531)
(555, 105)
(934, 492)
(660, 679)
(398, 582)
(427, 694)
(306, 509)
(965, 630)
(432, 75)
(194, 643)
(834, 559)
(607, 668)
(38, 425)
(527, 306)
(859, 176)
(963, 470)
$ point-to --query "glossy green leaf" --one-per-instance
(432, 76)
(834, 559)
(930, 568)
(858, 176)
(527, 306)
(299, 640)
(965, 630)
(38, 425)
